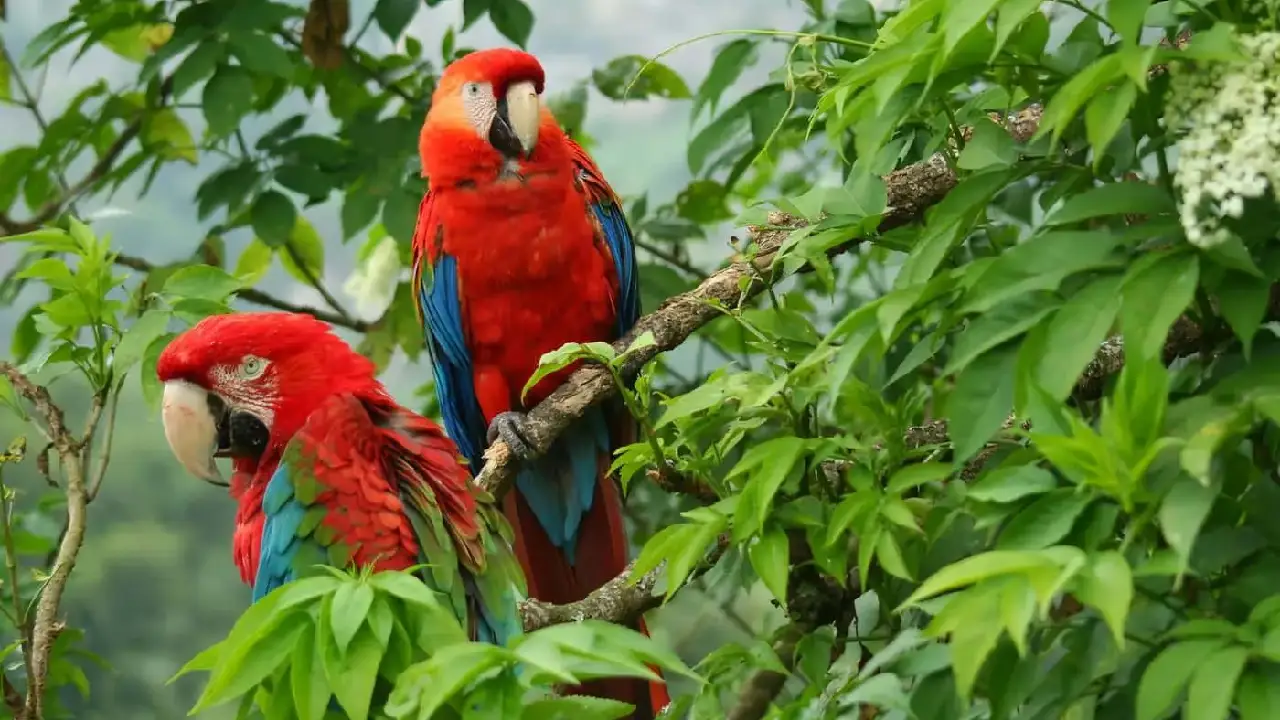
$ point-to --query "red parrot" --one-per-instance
(520, 247)
(328, 468)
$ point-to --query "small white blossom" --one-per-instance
(373, 283)
(1230, 151)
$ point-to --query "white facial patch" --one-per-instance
(480, 105)
(254, 394)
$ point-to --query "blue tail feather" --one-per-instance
(560, 486)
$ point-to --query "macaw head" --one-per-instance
(237, 385)
(486, 103)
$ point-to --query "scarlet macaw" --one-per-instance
(520, 247)
(328, 468)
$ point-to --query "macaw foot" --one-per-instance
(509, 426)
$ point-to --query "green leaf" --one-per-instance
(1065, 103)
(1214, 684)
(1075, 332)
(1011, 15)
(273, 217)
(561, 358)
(197, 66)
(1126, 17)
(1107, 584)
(1104, 116)
(165, 129)
(348, 610)
(1119, 198)
(1157, 290)
(767, 464)
(1242, 298)
(428, 686)
(576, 707)
(1258, 696)
(991, 145)
(260, 54)
(1009, 484)
(307, 680)
(1182, 512)
(144, 331)
(242, 667)
(354, 688)
(1167, 675)
(958, 19)
(620, 79)
(513, 19)
(253, 262)
(1045, 521)
(980, 402)
(730, 60)
(393, 16)
(359, 208)
(913, 476)
(1001, 323)
(227, 97)
(771, 559)
(151, 388)
(303, 254)
(1042, 262)
(972, 569)
(6, 76)
(201, 282)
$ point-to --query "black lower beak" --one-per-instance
(501, 136)
(240, 434)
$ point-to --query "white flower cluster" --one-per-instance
(1231, 149)
(373, 283)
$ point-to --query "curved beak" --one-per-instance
(514, 131)
(193, 420)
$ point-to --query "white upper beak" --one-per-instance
(524, 111)
(190, 429)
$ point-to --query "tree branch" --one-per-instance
(46, 627)
(618, 601)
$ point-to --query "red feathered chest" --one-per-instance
(532, 277)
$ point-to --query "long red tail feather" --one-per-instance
(601, 556)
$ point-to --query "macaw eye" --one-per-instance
(472, 89)
(252, 367)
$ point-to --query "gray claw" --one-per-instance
(509, 426)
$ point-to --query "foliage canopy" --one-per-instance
(991, 416)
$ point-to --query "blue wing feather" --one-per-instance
(450, 360)
(617, 234)
(280, 538)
